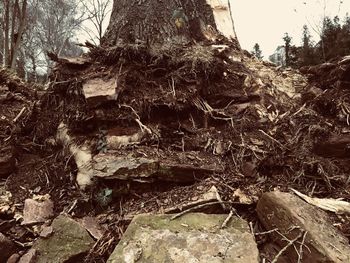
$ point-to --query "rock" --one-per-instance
(108, 166)
(36, 211)
(124, 168)
(7, 248)
(98, 91)
(69, 240)
(7, 161)
(92, 226)
(13, 259)
(323, 242)
(29, 257)
(46, 231)
(190, 238)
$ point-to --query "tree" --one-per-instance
(257, 52)
(13, 26)
(287, 46)
(51, 26)
(96, 13)
(307, 54)
(157, 22)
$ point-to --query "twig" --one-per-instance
(194, 208)
(266, 232)
(143, 127)
(224, 224)
(72, 207)
(300, 257)
(301, 109)
(269, 136)
(290, 243)
(19, 114)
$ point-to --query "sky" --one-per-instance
(265, 21)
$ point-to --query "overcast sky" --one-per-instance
(266, 21)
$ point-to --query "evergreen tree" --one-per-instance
(287, 45)
(257, 51)
(307, 54)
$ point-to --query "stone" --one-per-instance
(46, 231)
(13, 259)
(108, 166)
(284, 211)
(7, 161)
(92, 226)
(193, 237)
(29, 257)
(98, 91)
(7, 248)
(68, 241)
(37, 211)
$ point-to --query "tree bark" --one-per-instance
(6, 33)
(158, 21)
(18, 38)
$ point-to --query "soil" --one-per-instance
(202, 108)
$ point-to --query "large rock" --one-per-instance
(124, 168)
(109, 166)
(292, 217)
(29, 257)
(7, 248)
(68, 241)
(190, 238)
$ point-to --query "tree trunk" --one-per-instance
(18, 39)
(6, 33)
(161, 21)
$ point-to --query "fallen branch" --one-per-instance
(290, 243)
(224, 224)
(19, 114)
(194, 208)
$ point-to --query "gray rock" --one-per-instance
(108, 166)
(190, 238)
(29, 257)
(13, 259)
(292, 217)
(92, 226)
(37, 212)
(68, 240)
(46, 231)
(7, 248)
(124, 168)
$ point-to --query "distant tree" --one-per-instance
(96, 13)
(13, 23)
(257, 52)
(287, 45)
(307, 54)
(51, 26)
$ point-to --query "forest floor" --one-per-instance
(182, 120)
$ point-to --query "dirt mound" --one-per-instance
(189, 117)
